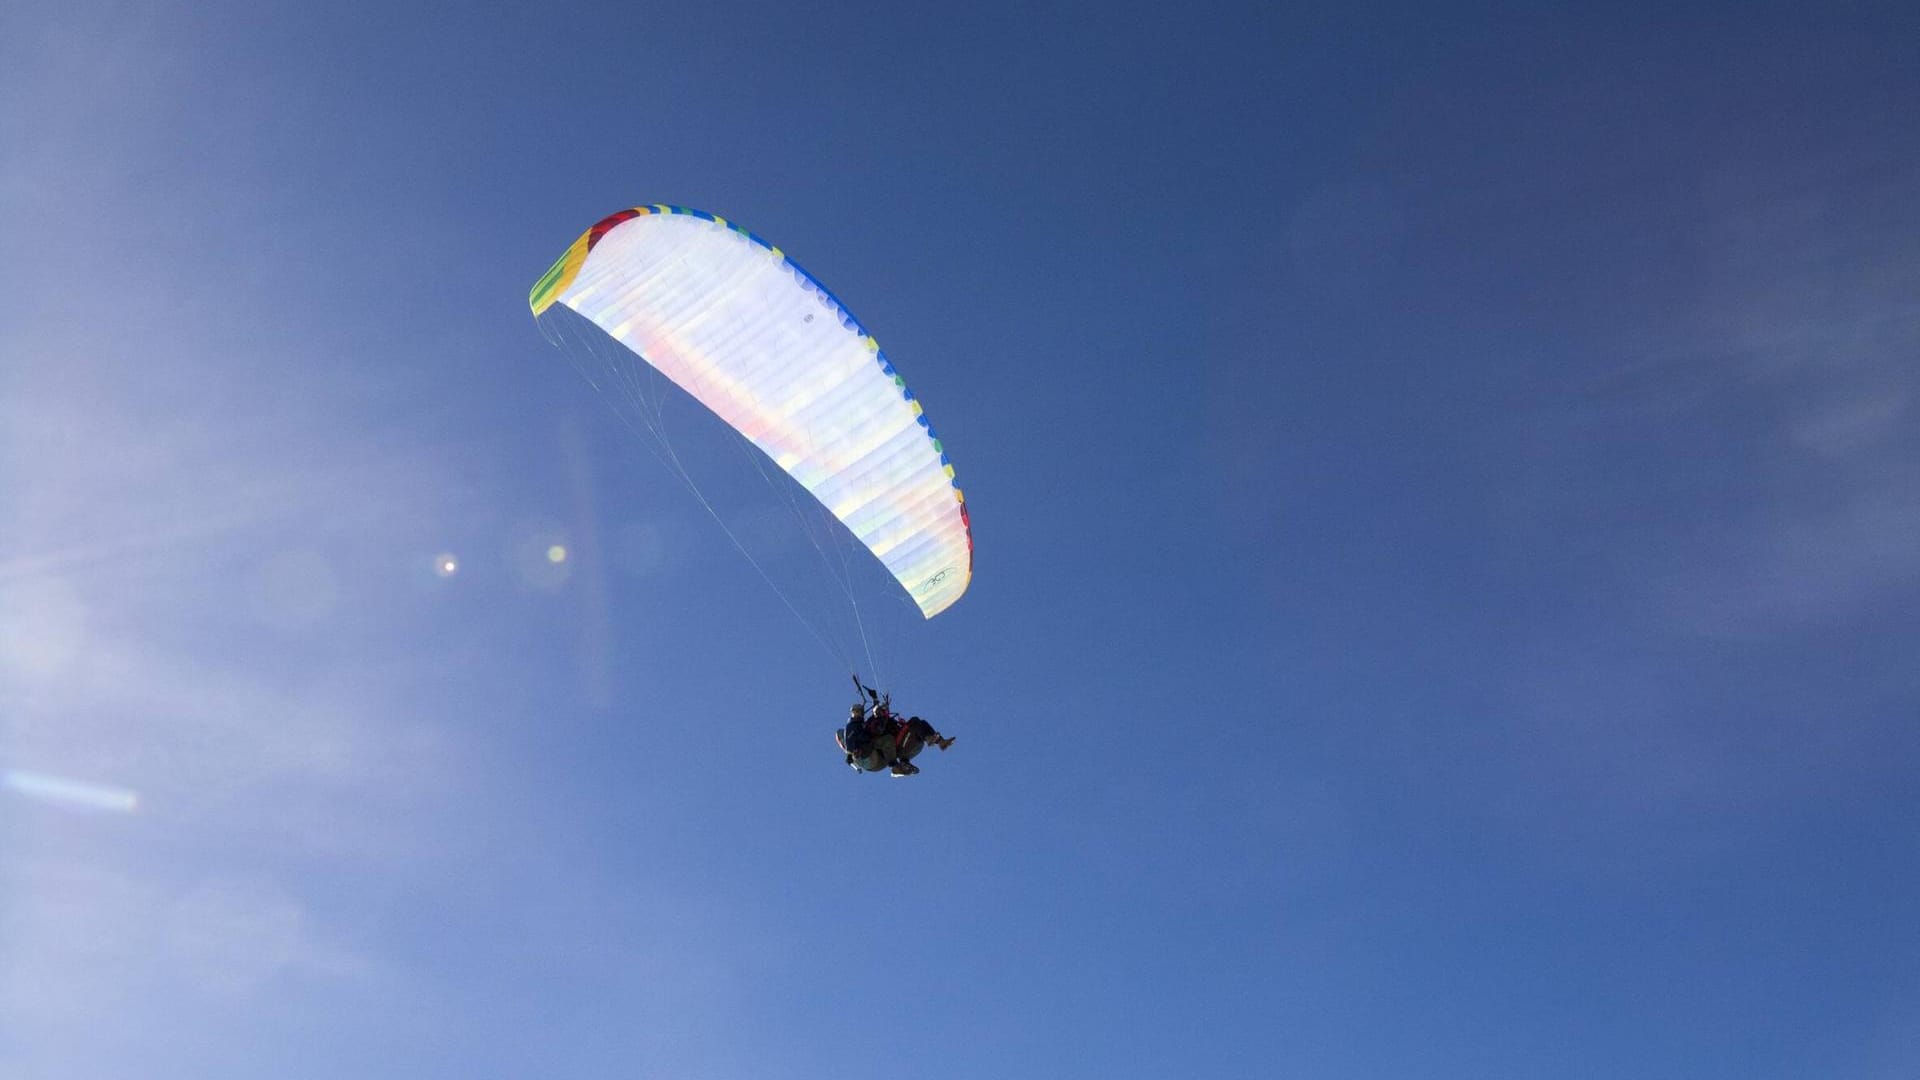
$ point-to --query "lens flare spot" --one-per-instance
(541, 558)
(74, 794)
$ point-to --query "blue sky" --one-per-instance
(1444, 481)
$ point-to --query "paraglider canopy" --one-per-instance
(734, 322)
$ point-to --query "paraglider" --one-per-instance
(874, 738)
(742, 328)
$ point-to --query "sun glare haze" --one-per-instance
(1406, 513)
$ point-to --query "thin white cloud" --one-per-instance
(161, 555)
(1793, 377)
